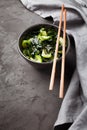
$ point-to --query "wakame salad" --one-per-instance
(40, 45)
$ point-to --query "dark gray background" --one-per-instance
(25, 101)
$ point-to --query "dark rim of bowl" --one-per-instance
(37, 25)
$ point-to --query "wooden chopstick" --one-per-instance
(56, 51)
(61, 91)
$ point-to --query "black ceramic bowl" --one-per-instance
(35, 28)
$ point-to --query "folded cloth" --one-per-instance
(73, 111)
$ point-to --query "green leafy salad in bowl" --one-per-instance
(37, 44)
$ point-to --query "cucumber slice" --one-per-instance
(38, 58)
(45, 54)
(25, 43)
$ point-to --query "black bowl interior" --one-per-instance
(29, 31)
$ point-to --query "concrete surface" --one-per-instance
(25, 101)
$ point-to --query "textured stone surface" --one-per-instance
(25, 101)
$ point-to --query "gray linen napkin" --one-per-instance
(73, 112)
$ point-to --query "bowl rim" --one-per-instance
(37, 25)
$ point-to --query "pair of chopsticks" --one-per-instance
(61, 91)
